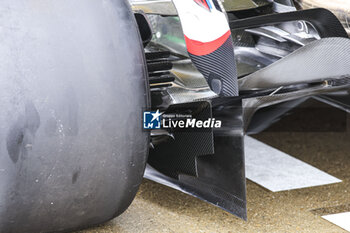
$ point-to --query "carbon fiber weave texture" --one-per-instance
(219, 69)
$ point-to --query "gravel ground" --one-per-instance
(161, 209)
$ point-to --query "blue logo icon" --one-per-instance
(151, 120)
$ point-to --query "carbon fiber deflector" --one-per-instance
(217, 177)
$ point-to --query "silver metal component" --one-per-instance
(281, 39)
(275, 91)
(237, 5)
(189, 84)
(157, 7)
(280, 8)
(278, 52)
(161, 132)
(267, 32)
(298, 40)
(250, 60)
(159, 85)
(282, 33)
(159, 136)
(168, 33)
(166, 7)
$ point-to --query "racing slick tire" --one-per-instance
(73, 85)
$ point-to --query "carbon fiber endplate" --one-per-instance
(188, 165)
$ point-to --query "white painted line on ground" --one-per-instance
(278, 171)
(341, 220)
